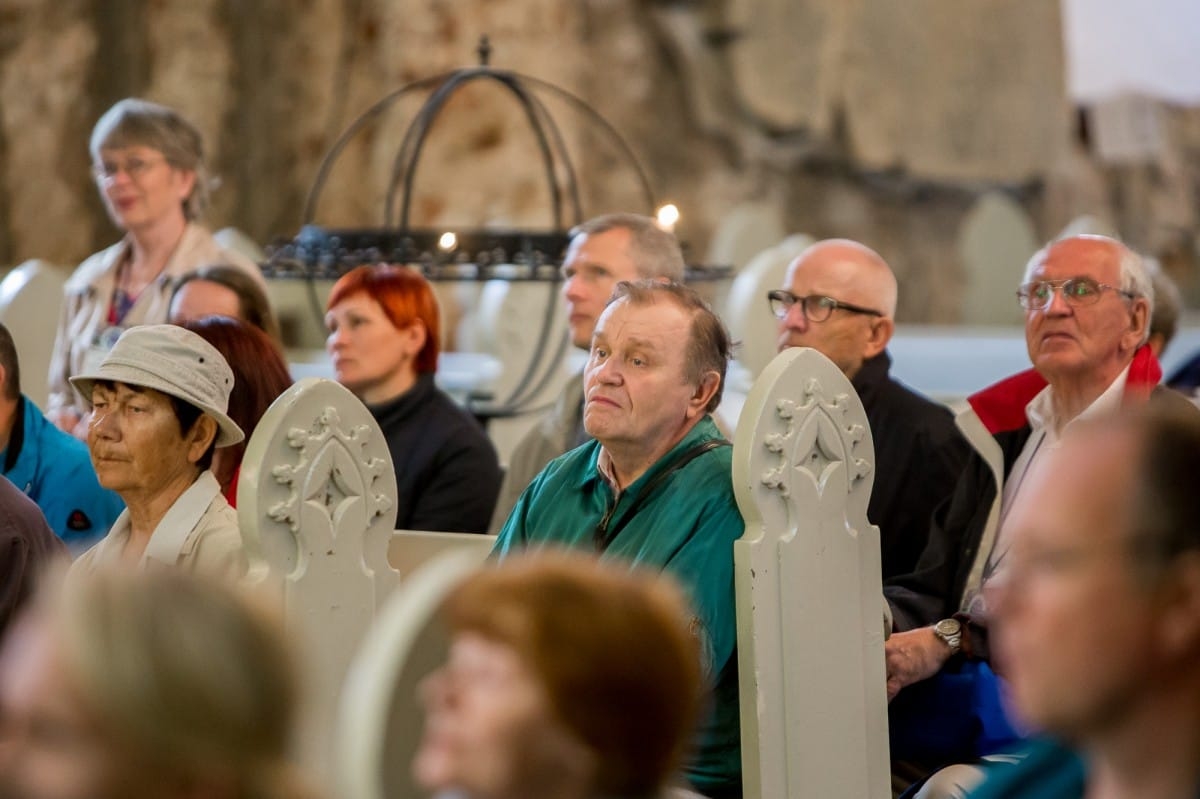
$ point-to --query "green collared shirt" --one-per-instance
(686, 526)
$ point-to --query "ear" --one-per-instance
(1139, 320)
(881, 333)
(414, 337)
(697, 405)
(1179, 617)
(187, 182)
(198, 439)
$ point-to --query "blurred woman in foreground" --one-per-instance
(155, 685)
(567, 679)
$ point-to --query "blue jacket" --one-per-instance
(55, 470)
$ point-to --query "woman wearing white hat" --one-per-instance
(159, 402)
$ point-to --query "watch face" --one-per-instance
(948, 627)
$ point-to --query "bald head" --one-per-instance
(857, 273)
(852, 275)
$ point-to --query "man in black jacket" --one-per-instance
(840, 299)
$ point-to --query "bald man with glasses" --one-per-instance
(840, 299)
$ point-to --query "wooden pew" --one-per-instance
(317, 499)
(807, 576)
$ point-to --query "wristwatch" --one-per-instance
(950, 631)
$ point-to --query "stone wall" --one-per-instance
(883, 120)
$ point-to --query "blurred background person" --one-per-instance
(149, 166)
(156, 685)
(259, 377)
(565, 678)
(159, 410)
(383, 327)
(1168, 302)
(43, 461)
(223, 290)
(1097, 619)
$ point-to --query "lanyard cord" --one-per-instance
(603, 536)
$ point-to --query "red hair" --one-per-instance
(260, 375)
(405, 297)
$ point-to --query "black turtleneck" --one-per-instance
(447, 472)
(919, 455)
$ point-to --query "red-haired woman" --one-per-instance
(260, 375)
(383, 337)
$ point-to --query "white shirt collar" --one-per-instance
(1040, 410)
(181, 519)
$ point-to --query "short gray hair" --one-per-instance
(1135, 277)
(141, 123)
(709, 346)
(654, 251)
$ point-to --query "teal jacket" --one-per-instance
(686, 527)
(55, 470)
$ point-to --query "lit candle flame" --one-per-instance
(448, 241)
(667, 216)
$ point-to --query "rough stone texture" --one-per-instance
(882, 120)
(951, 92)
(787, 59)
(46, 53)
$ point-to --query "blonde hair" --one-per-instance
(188, 680)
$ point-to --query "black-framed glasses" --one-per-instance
(1038, 294)
(815, 307)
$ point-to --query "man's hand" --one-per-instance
(913, 656)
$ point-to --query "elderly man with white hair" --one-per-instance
(159, 402)
(1088, 302)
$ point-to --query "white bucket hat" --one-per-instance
(175, 361)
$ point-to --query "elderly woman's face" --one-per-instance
(140, 189)
(136, 445)
(489, 729)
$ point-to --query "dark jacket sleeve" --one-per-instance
(27, 547)
(461, 491)
(933, 589)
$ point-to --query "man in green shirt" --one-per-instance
(655, 487)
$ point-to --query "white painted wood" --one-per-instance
(379, 722)
(409, 550)
(810, 631)
(31, 297)
(317, 496)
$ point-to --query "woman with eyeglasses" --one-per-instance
(149, 167)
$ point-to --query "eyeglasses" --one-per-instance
(815, 307)
(134, 168)
(1076, 291)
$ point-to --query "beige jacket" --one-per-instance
(89, 291)
(560, 430)
(199, 534)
